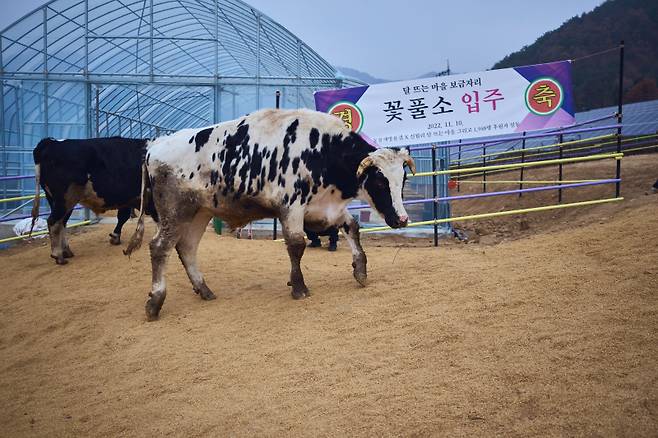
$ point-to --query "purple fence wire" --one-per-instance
(547, 134)
(518, 137)
(479, 142)
(9, 178)
(501, 193)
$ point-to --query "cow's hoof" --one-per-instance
(153, 305)
(360, 274)
(152, 313)
(115, 239)
(361, 277)
(299, 293)
(60, 260)
(68, 253)
(205, 293)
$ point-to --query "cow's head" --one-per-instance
(381, 177)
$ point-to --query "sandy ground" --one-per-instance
(551, 332)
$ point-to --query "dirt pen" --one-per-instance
(548, 326)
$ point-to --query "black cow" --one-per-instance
(314, 237)
(100, 173)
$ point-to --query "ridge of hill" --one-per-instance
(595, 79)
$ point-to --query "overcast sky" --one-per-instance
(394, 39)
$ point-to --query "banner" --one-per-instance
(455, 107)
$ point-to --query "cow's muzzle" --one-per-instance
(397, 222)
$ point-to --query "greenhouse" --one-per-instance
(140, 68)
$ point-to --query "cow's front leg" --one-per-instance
(123, 214)
(293, 233)
(359, 260)
(187, 248)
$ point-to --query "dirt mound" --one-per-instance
(551, 335)
(639, 172)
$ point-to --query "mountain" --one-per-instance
(369, 79)
(362, 76)
(433, 74)
(595, 78)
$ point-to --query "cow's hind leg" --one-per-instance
(163, 242)
(293, 232)
(187, 249)
(56, 226)
(359, 261)
(66, 249)
(123, 214)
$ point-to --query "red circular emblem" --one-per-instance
(349, 113)
(544, 96)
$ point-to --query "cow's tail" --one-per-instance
(37, 197)
(137, 237)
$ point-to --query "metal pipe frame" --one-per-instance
(81, 68)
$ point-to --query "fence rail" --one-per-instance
(39, 233)
(616, 156)
(467, 167)
(500, 213)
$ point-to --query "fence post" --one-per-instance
(484, 163)
(459, 160)
(98, 115)
(87, 213)
(274, 223)
(619, 115)
(522, 161)
(435, 204)
(561, 155)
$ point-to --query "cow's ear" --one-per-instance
(410, 163)
(406, 155)
(363, 178)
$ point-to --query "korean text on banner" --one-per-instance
(454, 107)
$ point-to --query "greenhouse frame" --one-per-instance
(142, 68)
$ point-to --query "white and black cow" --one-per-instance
(100, 173)
(300, 166)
